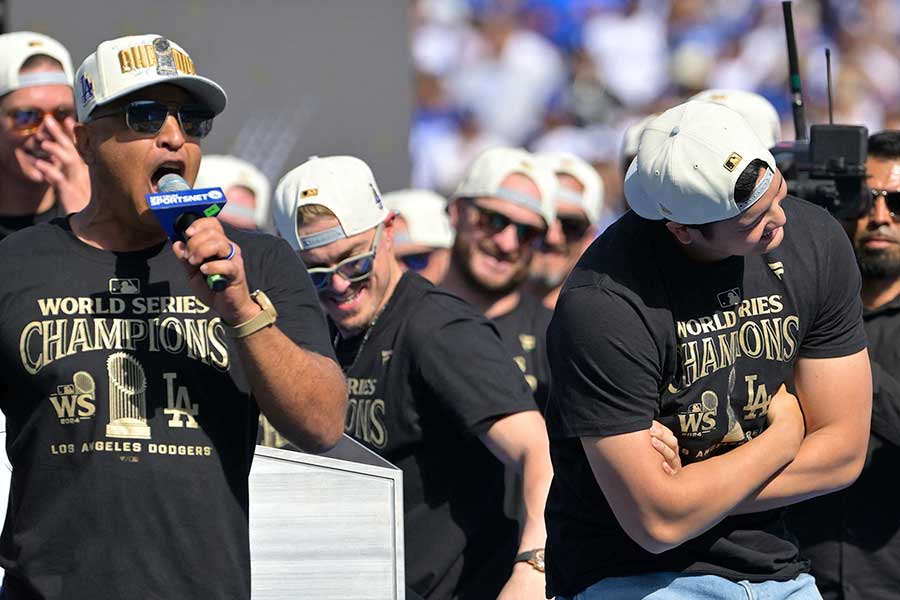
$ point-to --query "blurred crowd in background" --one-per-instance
(572, 75)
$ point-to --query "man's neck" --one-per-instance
(878, 292)
(492, 304)
(21, 198)
(101, 227)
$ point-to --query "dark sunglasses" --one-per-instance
(149, 116)
(493, 223)
(891, 201)
(573, 227)
(416, 262)
(353, 269)
(25, 121)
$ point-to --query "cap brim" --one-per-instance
(638, 199)
(205, 91)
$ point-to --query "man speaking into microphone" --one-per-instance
(132, 389)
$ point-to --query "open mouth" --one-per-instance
(166, 168)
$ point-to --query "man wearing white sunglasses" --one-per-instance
(432, 389)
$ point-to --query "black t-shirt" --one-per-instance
(524, 332)
(852, 537)
(641, 332)
(430, 377)
(10, 225)
(130, 425)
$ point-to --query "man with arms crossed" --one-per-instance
(432, 390)
(696, 310)
(131, 391)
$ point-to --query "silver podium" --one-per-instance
(324, 527)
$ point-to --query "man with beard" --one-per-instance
(501, 209)
(853, 536)
(432, 390)
(41, 174)
(579, 202)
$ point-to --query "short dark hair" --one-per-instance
(885, 144)
(747, 180)
(40, 60)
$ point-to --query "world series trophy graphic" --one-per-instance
(127, 398)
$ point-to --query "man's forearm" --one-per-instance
(825, 463)
(303, 394)
(537, 473)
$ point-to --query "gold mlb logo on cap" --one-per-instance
(733, 161)
(309, 193)
(35, 43)
(664, 210)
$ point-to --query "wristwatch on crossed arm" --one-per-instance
(534, 557)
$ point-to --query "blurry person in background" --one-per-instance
(41, 174)
(579, 202)
(756, 110)
(423, 236)
(852, 536)
(247, 189)
(500, 210)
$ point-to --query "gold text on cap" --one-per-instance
(733, 161)
(309, 193)
(143, 57)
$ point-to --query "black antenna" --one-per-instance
(828, 71)
(794, 67)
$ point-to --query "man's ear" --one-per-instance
(83, 142)
(681, 232)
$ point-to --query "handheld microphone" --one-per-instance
(176, 206)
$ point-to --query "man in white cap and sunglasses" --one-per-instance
(131, 390)
(41, 174)
(579, 203)
(673, 437)
(432, 389)
(501, 211)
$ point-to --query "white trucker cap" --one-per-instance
(688, 161)
(127, 64)
(492, 166)
(18, 47)
(425, 213)
(342, 184)
(756, 110)
(591, 199)
(224, 171)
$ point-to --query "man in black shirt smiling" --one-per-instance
(696, 310)
(432, 390)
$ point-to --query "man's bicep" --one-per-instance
(606, 366)
(629, 472)
(835, 391)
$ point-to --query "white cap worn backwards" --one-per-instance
(591, 199)
(425, 213)
(18, 47)
(759, 112)
(492, 166)
(688, 161)
(342, 184)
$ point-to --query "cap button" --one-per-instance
(675, 131)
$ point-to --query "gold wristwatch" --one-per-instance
(535, 558)
(264, 319)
